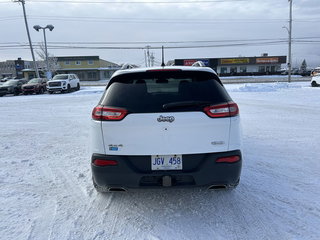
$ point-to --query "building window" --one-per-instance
(233, 70)
(92, 75)
(90, 62)
(223, 70)
(81, 75)
(67, 62)
(106, 74)
(267, 69)
(78, 62)
(243, 69)
(262, 69)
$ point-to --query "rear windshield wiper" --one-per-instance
(185, 104)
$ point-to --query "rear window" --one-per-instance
(164, 91)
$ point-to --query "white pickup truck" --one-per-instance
(63, 83)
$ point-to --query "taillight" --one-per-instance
(230, 159)
(108, 114)
(229, 109)
(103, 162)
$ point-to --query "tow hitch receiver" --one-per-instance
(166, 181)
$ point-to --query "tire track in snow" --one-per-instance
(130, 217)
(91, 218)
(42, 225)
(115, 212)
(57, 191)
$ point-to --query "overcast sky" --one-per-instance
(191, 28)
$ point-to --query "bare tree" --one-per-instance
(53, 65)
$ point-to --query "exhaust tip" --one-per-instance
(217, 187)
(117, 189)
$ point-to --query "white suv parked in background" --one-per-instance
(165, 127)
(315, 80)
(63, 83)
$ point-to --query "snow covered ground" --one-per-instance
(46, 190)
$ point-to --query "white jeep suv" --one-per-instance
(63, 83)
(165, 127)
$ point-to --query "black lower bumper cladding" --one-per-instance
(198, 170)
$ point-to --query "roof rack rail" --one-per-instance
(127, 66)
(198, 64)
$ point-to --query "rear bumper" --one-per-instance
(198, 170)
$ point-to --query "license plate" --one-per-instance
(166, 162)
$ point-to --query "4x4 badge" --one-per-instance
(165, 119)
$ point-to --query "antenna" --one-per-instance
(162, 64)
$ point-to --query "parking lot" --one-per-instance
(47, 193)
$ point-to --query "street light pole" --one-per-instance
(46, 50)
(50, 27)
(290, 40)
(29, 38)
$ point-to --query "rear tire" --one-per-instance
(314, 84)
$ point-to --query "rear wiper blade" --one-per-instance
(185, 104)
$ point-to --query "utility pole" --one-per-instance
(145, 58)
(290, 40)
(152, 58)
(29, 38)
(148, 56)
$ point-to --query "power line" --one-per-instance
(140, 45)
(135, 2)
(157, 20)
(280, 42)
(304, 38)
(131, 2)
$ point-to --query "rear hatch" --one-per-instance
(165, 112)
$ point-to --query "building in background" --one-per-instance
(13, 68)
(87, 68)
(240, 66)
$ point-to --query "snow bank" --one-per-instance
(260, 77)
(265, 87)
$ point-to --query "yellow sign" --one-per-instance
(234, 61)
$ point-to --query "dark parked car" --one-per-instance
(35, 85)
(11, 87)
